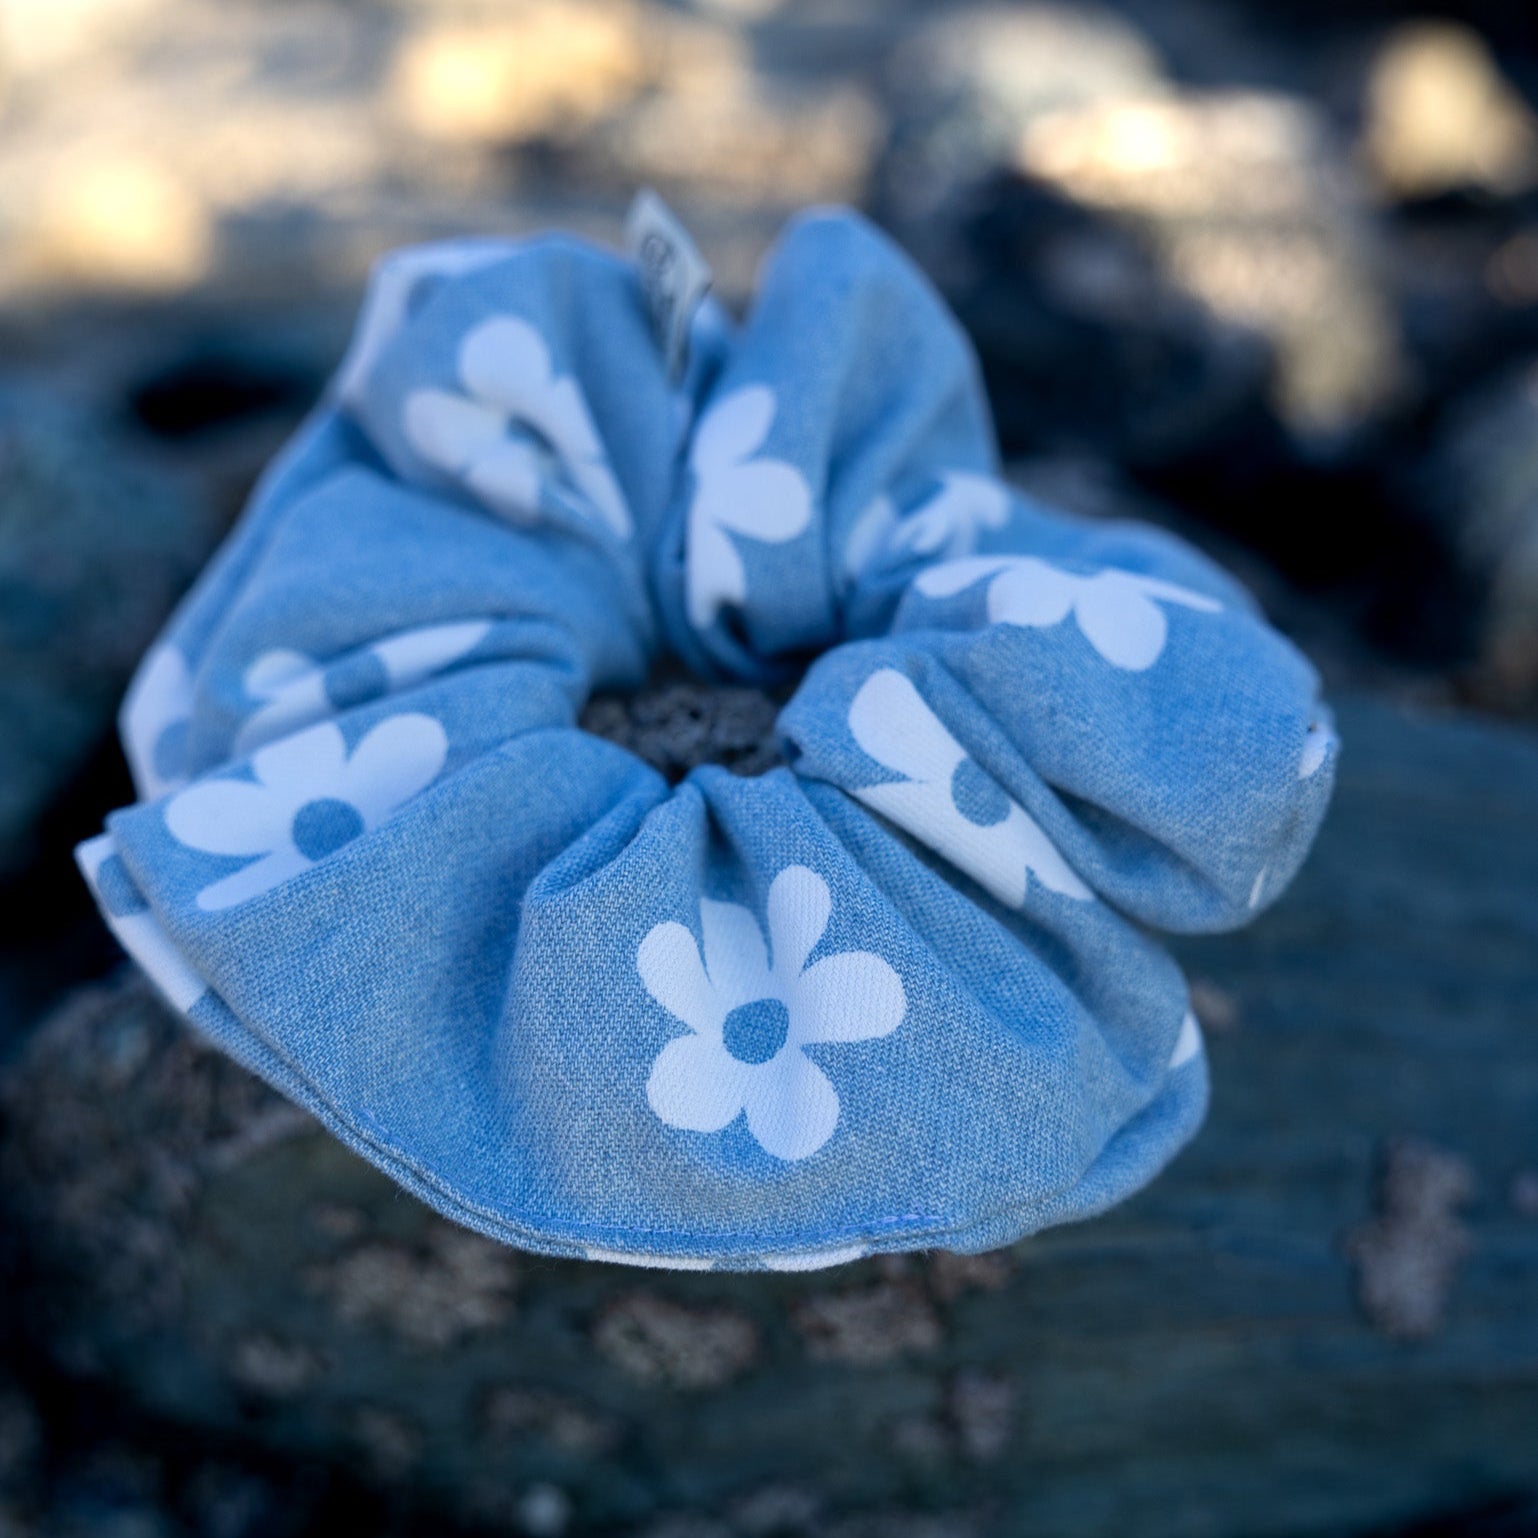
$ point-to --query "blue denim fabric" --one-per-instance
(898, 994)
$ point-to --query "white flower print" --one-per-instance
(516, 423)
(813, 1260)
(1316, 748)
(137, 929)
(869, 536)
(387, 305)
(736, 493)
(650, 1262)
(154, 722)
(751, 1018)
(309, 797)
(945, 527)
(1118, 611)
(293, 686)
(946, 801)
(1188, 1044)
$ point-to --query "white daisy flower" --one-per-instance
(946, 801)
(515, 424)
(309, 797)
(947, 526)
(1118, 611)
(154, 721)
(737, 493)
(751, 1018)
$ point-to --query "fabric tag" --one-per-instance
(674, 276)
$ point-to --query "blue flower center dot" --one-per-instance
(357, 681)
(322, 827)
(978, 798)
(754, 1032)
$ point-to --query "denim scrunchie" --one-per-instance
(898, 993)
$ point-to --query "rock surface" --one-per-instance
(1251, 213)
(678, 725)
(1441, 116)
(1197, 205)
(1483, 480)
(94, 549)
(185, 1240)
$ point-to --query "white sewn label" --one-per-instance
(674, 276)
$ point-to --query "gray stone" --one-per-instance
(1483, 478)
(962, 89)
(1408, 1254)
(1091, 215)
(1086, 346)
(94, 549)
(677, 724)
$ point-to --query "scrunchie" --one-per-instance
(898, 993)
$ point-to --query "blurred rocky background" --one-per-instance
(1266, 272)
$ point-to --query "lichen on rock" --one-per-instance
(656, 1340)
(1407, 1255)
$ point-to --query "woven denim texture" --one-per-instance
(899, 993)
